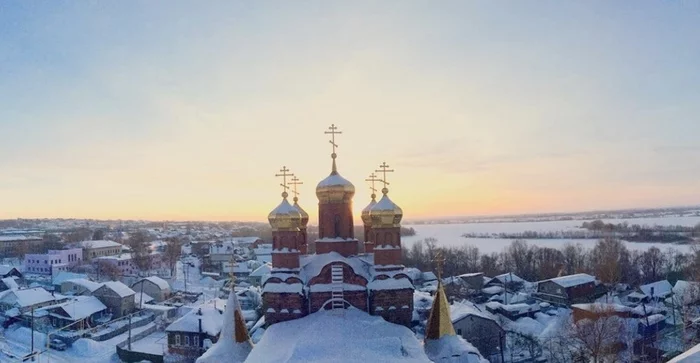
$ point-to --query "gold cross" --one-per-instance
(333, 132)
(284, 176)
(372, 179)
(384, 168)
(439, 260)
(295, 181)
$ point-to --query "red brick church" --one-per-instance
(337, 271)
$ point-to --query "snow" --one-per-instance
(211, 321)
(492, 290)
(385, 204)
(600, 307)
(5, 269)
(10, 283)
(324, 337)
(508, 277)
(334, 180)
(81, 307)
(162, 284)
(118, 287)
(274, 287)
(452, 349)
(572, 280)
(30, 297)
(390, 284)
(155, 343)
(313, 264)
(285, 208)
(98, 244)
(262, 270)
(525, 326)
(87, 284)
(686, 292)
(226, 348)
(142, 296)
(65, 276)
(690, 356)
(461, 310)
(89, 348)
(661, 288)
(652, 319)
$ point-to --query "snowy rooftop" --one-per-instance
(652, 319)
(261, 271)
(572, 280)
(162, 284)
(283, 287)
(89, 285)
(28, 297)
(690, 356)
(452, 349)
(118, 287)
(324, 337)
(508, 277)
(10, 283)
(211, 321)
(98, 244)
(81, 307)
(65, 275)
(142, 296)
(5, 269)
(390, 284)
(460, 310)
(313, 264)
(602, 307)
(661, 288)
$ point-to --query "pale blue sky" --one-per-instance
(162, 109)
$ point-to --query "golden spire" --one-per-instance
(384, 168)
(284, 185)
(439, 322)
(333, 131)
(372, 179)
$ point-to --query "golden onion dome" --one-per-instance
(335, 188)
(285, 216)
(366, 219)
(304, 215)
(385, 213)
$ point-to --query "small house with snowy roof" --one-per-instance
(509, 280)
(118, 298)
(84, 309)
(567, 290)
(8, 283)
(9, 271)
(186, 335)
(79, 286)
(479, 327)
(655, 291)
(153, 286)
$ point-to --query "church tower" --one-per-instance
(286, 233)
(336, 229)
(386, 228)
(366, 219)
(303, 241)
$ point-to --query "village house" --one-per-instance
(474, 280)
(92, 249)
(256, 278)
(595, 311)
(78, 287)
(9, 283)
(655, 291)
(118, 298)
(567, 290)
(126, 265)
(58, 279)
(187, 335)
(513, 311)
(53, 261)
(9, 271)
(480, 328)
(685, 293)
(154, 286)
(509, 281)
(84, 309)
(16, 302)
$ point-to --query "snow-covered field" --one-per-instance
(451, 234)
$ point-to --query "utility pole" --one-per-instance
(32, 324)
(130, 331)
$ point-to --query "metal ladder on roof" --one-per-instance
(338, 301)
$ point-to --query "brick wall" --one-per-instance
(345, 248)
(400, 300)
(327, 213)
(357, 299)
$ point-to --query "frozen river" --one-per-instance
(451, 234)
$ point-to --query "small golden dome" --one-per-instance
(366, 219)
(385, 213)
(304, 215)
(285, 216)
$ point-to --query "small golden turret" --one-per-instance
(285, 217)
(385, 213)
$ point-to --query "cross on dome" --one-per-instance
(373, 178)
(384, 168)
(295, 181)
(333, 131)
(439, 260)
(284, 176)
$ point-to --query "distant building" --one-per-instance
(126, 265)
(92, 249)
(53, 262)
(599, 310)
(118, 298)
(567, 290)
(474, 280)
(9, 271)
(656, 291)
(9, 244)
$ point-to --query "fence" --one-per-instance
(130, 356)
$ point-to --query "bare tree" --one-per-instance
(602, 338)
(172, 252)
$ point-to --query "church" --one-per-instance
(336, 271)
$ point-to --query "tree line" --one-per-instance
(609, 260)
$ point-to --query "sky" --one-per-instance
(185, 111)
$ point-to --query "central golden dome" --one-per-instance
(334, 189)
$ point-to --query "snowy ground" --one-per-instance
(451, 234)
(155, 343)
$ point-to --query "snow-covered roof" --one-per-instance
(661, 288)
(520, 308)
(65, 275)
(261, 271)
(283, 287)
(508, 277)
(692, 355)
(472, 274)
(138, 297)
(428, 276)
(572, 280)
(5, 269)
(118, 287)
(10, 283)
(211, 321)
(87, 284)
(652, 319)
(325, 337)
(29, 297)
(162, 284)
(390, 284)
(602, 307)
(461, 310)
(313, 264)
(98, 244)
(81, 307)
(492, 290)
(233, 345)
(452, 349)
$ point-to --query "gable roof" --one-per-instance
(162, 284)
(572, 280)
(81, 307)
(661, 288)
(87, 284)
(313, 264)
(10, 283)
(6, 269)
(99, 244)
(212, 321)
(30, 297)
(119, 288)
